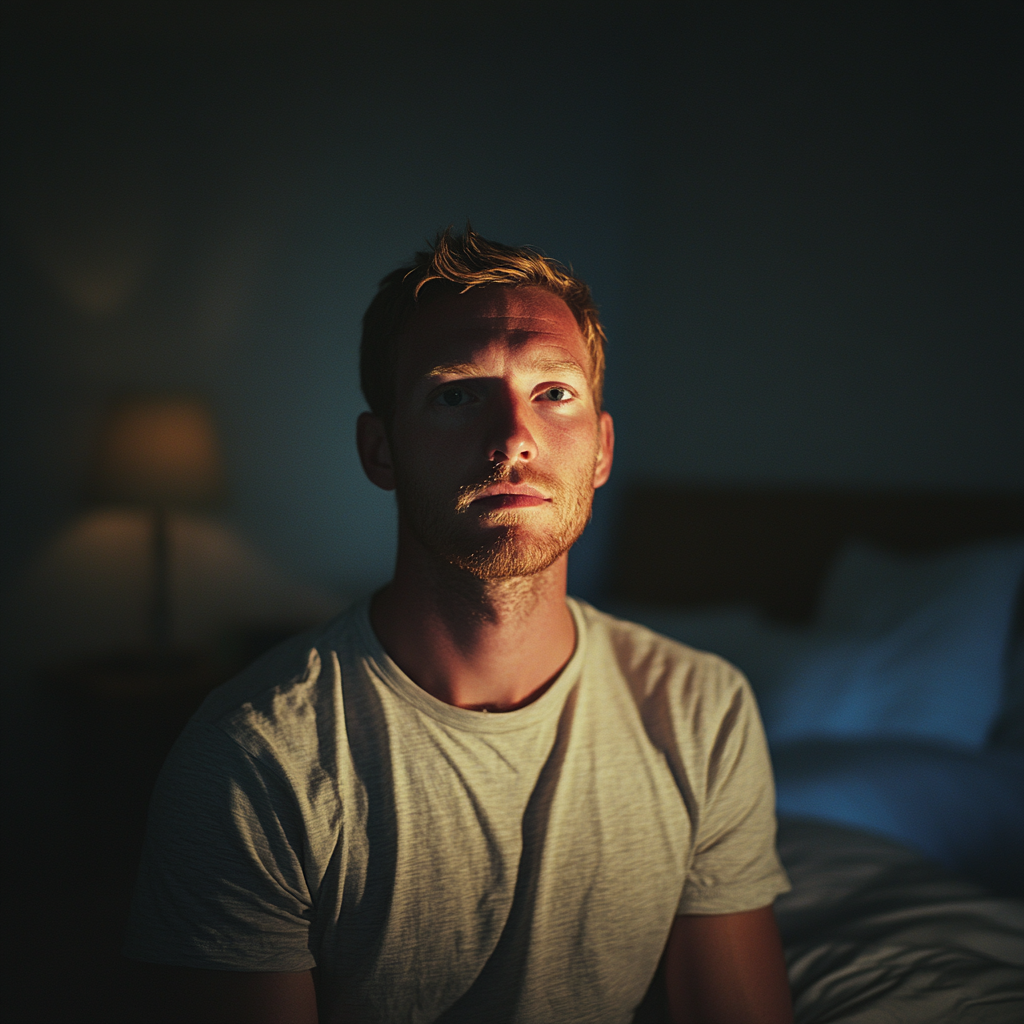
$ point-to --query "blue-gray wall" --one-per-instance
(803, 223)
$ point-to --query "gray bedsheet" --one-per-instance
(876, 934)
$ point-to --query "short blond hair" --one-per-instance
(457, 263)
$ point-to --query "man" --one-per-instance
(472, 799)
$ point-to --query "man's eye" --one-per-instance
(557, 394)
(453, 397)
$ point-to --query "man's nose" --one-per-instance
(511, 439)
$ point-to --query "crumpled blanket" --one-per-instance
(876, 934)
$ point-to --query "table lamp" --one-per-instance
(160, 453)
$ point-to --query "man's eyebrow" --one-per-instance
(453, 370)
(473, 370)
(559, 366)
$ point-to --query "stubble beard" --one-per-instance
(507, 547)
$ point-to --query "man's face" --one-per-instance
(496, 444)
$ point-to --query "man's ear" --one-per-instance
(375, 451)
(605, 450)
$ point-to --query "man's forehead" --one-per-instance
(484, 312)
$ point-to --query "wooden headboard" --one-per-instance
(770, 548)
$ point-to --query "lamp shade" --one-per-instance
(159, 451)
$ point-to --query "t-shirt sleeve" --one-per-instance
(734, 864)
(221, 883)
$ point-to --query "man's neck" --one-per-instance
(491, 645)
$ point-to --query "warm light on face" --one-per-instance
(497, 443)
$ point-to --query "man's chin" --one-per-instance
(497, 544)
(516, 552)
(504, 566)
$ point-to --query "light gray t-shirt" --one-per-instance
(440, 864)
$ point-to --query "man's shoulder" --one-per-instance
(649, 661)
(284, 690)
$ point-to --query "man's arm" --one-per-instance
(182, 995)
(727, 969)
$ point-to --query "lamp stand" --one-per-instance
(160, 622)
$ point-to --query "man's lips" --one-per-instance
(509, 496)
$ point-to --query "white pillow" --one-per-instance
(909, 646)
(904, 646)
(871, 590)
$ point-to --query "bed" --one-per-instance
(883, 636)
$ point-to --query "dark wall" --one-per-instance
(826, 247)
(802, 221)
